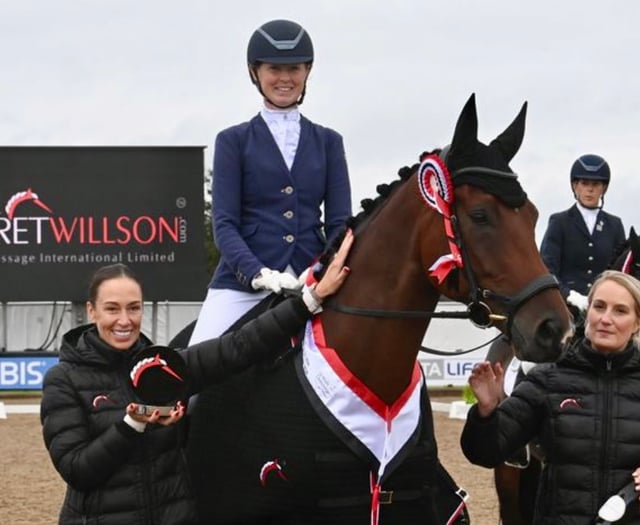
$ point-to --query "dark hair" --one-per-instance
(105, 273)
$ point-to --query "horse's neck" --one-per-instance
(387, 274)
(380, 352)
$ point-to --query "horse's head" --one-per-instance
(628, 260)
(499, 267)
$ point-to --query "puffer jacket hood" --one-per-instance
(82, 345)
(582, 355)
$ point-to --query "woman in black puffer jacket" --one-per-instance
(124, 468)
(584, 410)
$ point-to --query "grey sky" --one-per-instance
(390, 76)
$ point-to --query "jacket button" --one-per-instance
(591, 257)
(590, 245)
(287, 189)
(288, 214)
(289, 238)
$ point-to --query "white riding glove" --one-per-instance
(578, 300)
(302, 278)
(274, 280)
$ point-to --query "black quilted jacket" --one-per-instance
(585, 411)
(115, 475)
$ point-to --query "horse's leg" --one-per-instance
(513, 484)
(507, 480)
(529, 478)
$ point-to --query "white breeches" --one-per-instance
(220, 309)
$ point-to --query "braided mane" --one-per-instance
(369, 207)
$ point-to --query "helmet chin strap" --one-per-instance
(601, 200)
(598, 207)
(256, 82)
(292, 105)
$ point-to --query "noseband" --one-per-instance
(478, 311)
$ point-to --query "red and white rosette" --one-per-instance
(436, 188)
(435, 184)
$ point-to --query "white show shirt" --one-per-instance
(284, 125)
(589, 215)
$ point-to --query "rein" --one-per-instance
(447, 353)
(398, 314)
(417, 314)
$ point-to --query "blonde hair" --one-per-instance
(630, 284)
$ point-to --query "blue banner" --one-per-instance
(20, 371)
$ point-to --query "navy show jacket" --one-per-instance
(265, 215)
(575, 256)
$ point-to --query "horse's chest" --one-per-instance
(278, 457)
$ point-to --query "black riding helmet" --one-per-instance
(591, 167)
(279, 42)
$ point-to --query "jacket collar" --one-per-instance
(576, 218)
(83, 345)
(582, 354)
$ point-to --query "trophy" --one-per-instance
(159, 378)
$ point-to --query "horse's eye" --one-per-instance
(479, 216)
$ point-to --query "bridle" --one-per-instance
(478, 311)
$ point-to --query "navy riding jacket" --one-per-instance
(575, 256)
(265, 215)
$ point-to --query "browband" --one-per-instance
(485, 171)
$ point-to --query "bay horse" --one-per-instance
(340, 430)
(516, 481)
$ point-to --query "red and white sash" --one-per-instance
(383, 429)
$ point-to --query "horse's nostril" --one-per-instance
(548, 334)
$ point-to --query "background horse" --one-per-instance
(342, 431)
(517, 481)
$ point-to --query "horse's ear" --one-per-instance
(510, 140)
(634, 244)
(465, 136)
